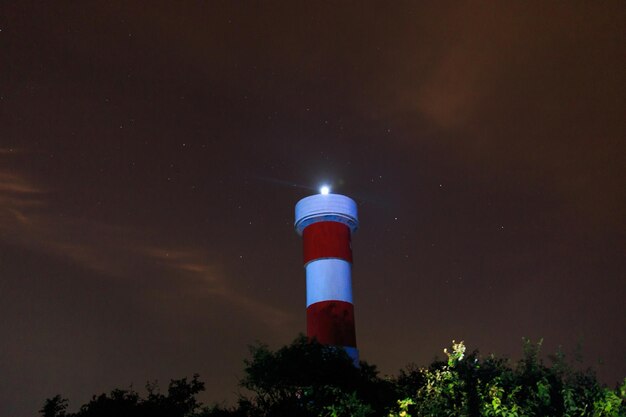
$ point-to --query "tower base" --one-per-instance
(353, 353)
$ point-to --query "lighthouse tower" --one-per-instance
(326, 222)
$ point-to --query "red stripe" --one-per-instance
(327, 240)
(331, 323)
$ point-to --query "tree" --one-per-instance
(306, 378)
(180, 401)
(468, 386)
(54, 407)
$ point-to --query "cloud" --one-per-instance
(18, 198)
(28, 219)
(511, 94)
(205, 281)
(9, 151)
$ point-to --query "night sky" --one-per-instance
(151, 154)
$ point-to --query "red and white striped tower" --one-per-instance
(326, 222)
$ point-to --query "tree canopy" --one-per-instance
(306, 378)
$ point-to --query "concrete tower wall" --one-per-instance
(326, 223)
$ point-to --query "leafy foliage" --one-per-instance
(180, 401)
(467, 386)
(309, 379)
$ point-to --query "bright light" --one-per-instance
(325, 190)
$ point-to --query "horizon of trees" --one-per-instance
(306, 378)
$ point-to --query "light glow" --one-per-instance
(325, 190)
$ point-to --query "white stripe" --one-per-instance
(328, 279)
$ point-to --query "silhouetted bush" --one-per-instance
(306, 379)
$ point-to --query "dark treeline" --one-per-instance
(308, 379)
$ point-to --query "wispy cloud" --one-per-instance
(27, 219)
(205, 281)
(18, 198)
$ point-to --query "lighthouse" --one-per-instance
(326, 223)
